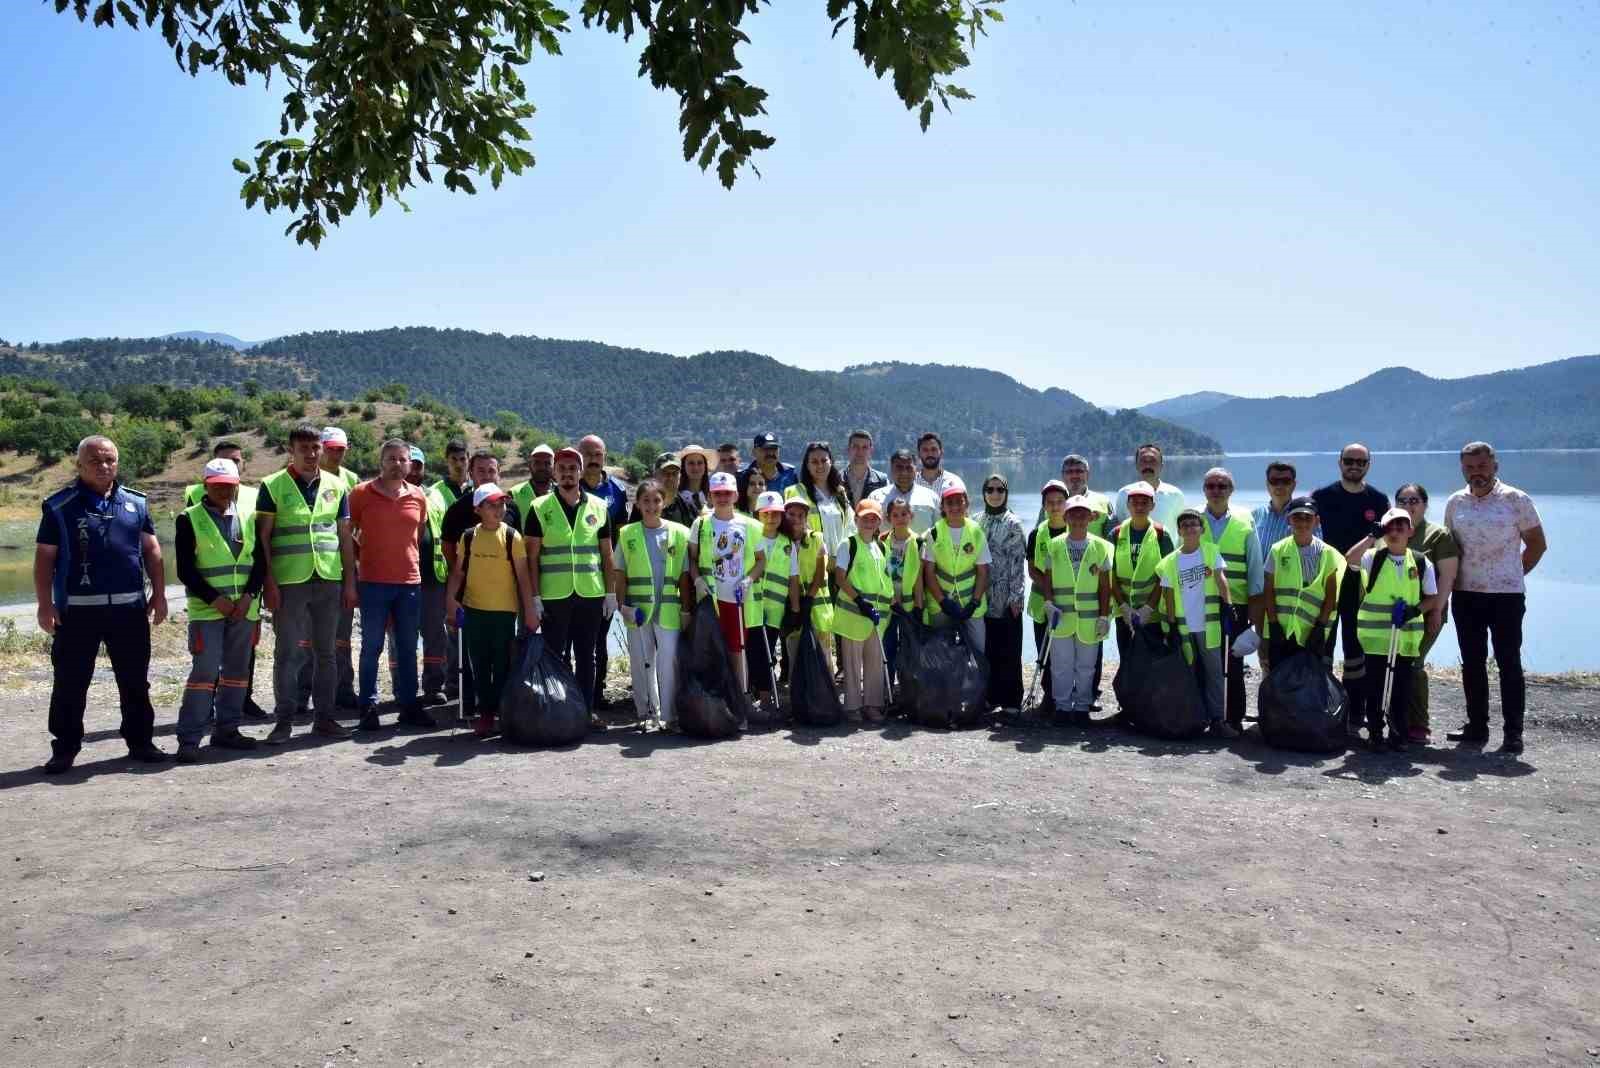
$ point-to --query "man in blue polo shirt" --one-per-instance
(778, 475)
(94, 547)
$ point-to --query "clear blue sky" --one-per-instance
(1145, 199)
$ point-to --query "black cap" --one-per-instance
(1302, 504)
(769, 440)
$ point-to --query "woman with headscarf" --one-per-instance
(696, 462)
(1008, 568)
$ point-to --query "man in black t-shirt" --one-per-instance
(1349, 510)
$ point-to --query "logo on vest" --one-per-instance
(328, 494)
(969, 548)
(591, 520)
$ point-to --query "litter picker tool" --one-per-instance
(1042, 666)
(1397, 618)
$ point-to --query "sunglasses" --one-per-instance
(1408, 500)
(1355, 463)
(994, 489)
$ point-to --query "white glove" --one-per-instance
(1137, 618)
(538, 605)
(1054, 614)
(1102, 628)
(609, 609)
(1127, 613)
(702, 586)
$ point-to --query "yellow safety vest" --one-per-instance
(1298, 603)
(216, 563)
(1374, 618)
(1213, 603)
(873, 586)
(774, 595)
(305, 539)
(1041, 560)
(1137, 576)
(1076, 591)
(640, 591)
(569, 555)
(956, 566)
(821, 607)
(706, 559)
(1234, 550)
(437, 505)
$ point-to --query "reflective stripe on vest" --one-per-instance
(1234, 550)
(1375, 617)
(569, 560)
(774, 592)
(1076, 591)
(305, 539)
(215, 562)
(437, 505)
(1041, 561)
(1298, 603)
(640, 591)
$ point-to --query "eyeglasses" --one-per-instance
(1285, 481)
(1349, 462)
(1219, 485)
(1408, 500)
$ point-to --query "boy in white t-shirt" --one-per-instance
(1192, 575)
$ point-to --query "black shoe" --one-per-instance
(435, 698)
(1512, 746)
(1468, 736)
(189, 753)
(232, 740)
(254, 713)
(146, 754)
(59, 763)
(369, 720)
(415, 716)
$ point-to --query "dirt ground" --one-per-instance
(893, 896)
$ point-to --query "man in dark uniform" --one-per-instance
(94, 547)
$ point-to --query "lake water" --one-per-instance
(1564, 485)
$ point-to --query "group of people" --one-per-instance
(463, 565)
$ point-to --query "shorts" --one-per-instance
(730, 617)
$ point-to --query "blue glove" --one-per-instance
(969, 611)
(1397, 616)
(461, 617)
(874, 615)
(951, 608)
(638, 617)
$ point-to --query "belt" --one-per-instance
(85, 600)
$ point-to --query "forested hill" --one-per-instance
(1548, 406)
(575, 387)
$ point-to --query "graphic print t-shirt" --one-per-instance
(727, 543)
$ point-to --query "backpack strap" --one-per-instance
(466, 556)
(1378, 558)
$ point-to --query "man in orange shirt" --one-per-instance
(387, 515)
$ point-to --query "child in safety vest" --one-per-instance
(903, 550)
(489, 592)
(772, 598)
(808, 577)
(861, 615)
(955, 566)
(1194, 591)
(726, 564)
(1301, 575)
(650, 559)
(1053, 499)
(1400, 588)
(1078, 609)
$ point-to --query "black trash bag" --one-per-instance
(908, 648)
(710, 702)
(541, 703)
(1156, 687)
(952, 679)
(1302, 706)
(813, 697)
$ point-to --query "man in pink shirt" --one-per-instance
(387, 515)
(1501, 541)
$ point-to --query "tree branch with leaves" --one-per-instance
(380, 96)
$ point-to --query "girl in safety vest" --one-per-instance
(1053, 498)
(726, 564)
(1400, 588)
(808, 577)
(1301, 584)
(1078, 576)
(645, 578)
(903, 551)
(772, 598)
(955, 566)
(489, 591)
(861, 573)
(1194, 592)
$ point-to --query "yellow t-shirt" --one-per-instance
(491, 582)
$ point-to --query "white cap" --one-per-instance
(1079, 501)
(487, 492)
(722, 481)
(542, 449)
(1395, 513)
(770, 501)
(953, 487)
(332, 435)
(221, 469)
